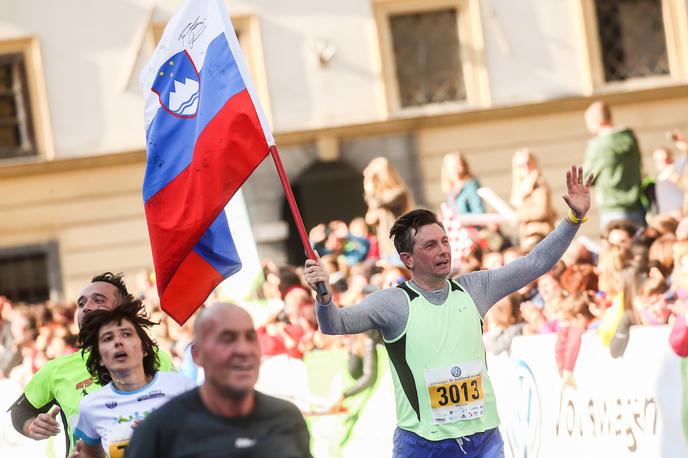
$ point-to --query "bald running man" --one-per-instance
(225, 416)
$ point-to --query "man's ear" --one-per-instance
(196, 354)
(407, 259)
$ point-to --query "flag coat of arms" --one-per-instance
(205, 134)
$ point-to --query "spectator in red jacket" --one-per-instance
(678, 337)
(575, 316)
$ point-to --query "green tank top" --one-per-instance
(441, 385)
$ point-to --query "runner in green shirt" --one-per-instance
(63, 381)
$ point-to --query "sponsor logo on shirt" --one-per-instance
(151, 395)
(111, 405)
(133, 417)
(524, 432)
(244, 442)
(83, 384)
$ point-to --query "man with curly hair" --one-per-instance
(121, 356)
(57, 387)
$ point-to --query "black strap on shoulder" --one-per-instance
(455, 286)
(22, 410)
(411, 293)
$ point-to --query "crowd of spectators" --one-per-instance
(31, 335)
(634, 275)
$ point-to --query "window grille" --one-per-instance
(427, 57)
(16, 129)
(632, 38)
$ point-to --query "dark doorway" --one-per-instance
(325, 191)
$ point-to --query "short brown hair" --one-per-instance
(575, 304)
(116, 280)
(628, 226)
(407, 225)
(653, 286)
(579, 278)
(662, 251)
(664, 224)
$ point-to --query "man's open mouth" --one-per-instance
(121, 355)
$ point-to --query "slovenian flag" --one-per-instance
(205, 134)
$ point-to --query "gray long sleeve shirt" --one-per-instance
(387, 310)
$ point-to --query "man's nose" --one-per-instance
(243, 346)
(88, 307)
(446, 248)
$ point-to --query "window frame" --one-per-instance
(675, 19)
(37, 103)
(471, 48)
(52, 264)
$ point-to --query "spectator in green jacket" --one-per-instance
(613, 156)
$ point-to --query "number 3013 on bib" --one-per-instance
(456, 392)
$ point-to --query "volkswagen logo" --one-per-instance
(524, 428)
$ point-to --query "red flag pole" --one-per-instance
(320, 287)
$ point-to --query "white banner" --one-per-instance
(625, 407)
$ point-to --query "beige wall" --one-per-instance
(532, 49)
(93, 211)
(92, 52)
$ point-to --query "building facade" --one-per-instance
(341, 82)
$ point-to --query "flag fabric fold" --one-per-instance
(205, 134)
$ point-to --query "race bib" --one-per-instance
(117, 449)
(118, 439)
(456, 392)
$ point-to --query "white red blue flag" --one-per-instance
(205, 134)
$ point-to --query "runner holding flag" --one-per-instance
(432, 329)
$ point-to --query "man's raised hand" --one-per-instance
(577, 195)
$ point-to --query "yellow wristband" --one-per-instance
(575, 219)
